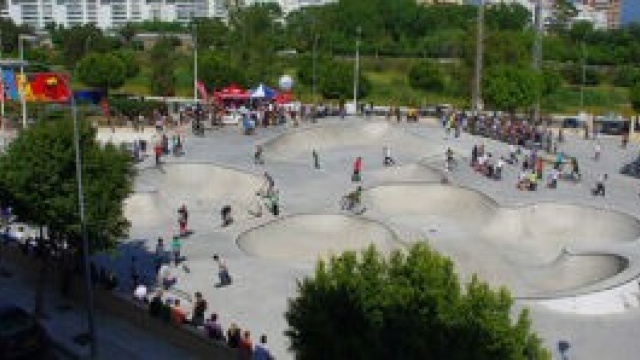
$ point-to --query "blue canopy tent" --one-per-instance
(262, 92)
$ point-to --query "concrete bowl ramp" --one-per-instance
(203, 188)
(290, 146)
(537, 251)
(306, 238)
(406, 173)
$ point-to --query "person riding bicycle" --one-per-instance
(353, 198)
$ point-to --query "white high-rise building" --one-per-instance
(108, 13)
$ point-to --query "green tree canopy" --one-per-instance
(103, 71)
(510, 88)
(634, 97)
(130, 61)
(404, 307)
(427, 76)
(38, 175)
(163, 79)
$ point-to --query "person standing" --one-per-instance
(600, 189)
(261, 351)
(223, 272)
(388, 160)
(183, 217)
(176, 247)
(199, 308)
(157, 149)
(257, 155)
(245, 346)
(597, 149)
(316, 159)
(159, 254)
(357, 169)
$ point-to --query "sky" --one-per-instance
(630, 11)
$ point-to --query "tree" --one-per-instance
(162, 80)
(38, 178)
(550, 81)
(130, 61)
(634, 97)
(218, 71)
(427, 76)
(103, 71)
(510, 88)
(335, 80)
(404, 307)
(563, 12)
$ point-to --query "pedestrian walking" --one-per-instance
(176, 247)
(316, 159)
(223, 272)
(257, 155)
(597, 149)
(183, 216)
(157, 149)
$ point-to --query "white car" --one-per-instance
(18, 232)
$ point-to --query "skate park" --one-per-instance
(568, 256)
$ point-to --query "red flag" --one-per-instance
(49, 87)
(202, 91)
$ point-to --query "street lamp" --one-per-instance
(477, 96)
(195, 61)
(357, 70)
(23, 81)
(313, 88)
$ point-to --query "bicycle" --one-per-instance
(348, 203)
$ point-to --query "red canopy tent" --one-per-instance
(231, 92)
(283, 97)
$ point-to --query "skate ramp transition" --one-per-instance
(534, 250)
(334, 135)
(203, 188)
(306, 238)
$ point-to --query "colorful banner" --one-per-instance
(42, 87)
(47, 87)
(10, 85)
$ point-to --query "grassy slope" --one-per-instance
(389, 85)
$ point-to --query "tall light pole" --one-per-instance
(195, 61)
(313, 86)
(477, 89)
(584, 75)
(83, 227)
(537, 57)
(23, 81)
(357, 70)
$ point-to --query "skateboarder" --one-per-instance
(357, 168)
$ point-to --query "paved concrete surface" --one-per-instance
(564, 245)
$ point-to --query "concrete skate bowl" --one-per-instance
(542, 250)
(203, 188)
(296, 146)
(306, 238)
(406, 173)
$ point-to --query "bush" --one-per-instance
(405, 307)
(427, 76)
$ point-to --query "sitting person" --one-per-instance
(213, 328)
(155, 306)
(523, 181)
(178, 317)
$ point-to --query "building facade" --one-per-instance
(611, 9)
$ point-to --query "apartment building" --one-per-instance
(611, 8)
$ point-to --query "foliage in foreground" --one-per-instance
(409, 306)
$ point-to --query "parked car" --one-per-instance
(21, 335)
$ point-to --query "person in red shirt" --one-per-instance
(246, 347)
(357, 168)
(158, 152)
(177, 314)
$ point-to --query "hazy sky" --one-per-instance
(630, 11)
